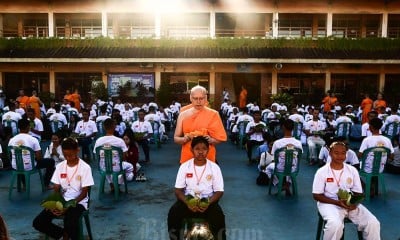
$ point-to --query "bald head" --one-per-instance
(198, 89)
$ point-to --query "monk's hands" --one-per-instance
(210, 140)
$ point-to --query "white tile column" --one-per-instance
(50, 19)
(385, 18)
(327, 81)
(157, 79)
(104, 24)
(52, 81)
(157, 27)
(275, 24)
(274, 84)
(212, 23)
(381, 82)
(329, 20)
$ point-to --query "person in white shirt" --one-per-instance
(54, 150)
(327, 182)
(393, 117)
(288, 126)
(312, 129)
(254, 131)
(12, 117)
(58, 116)
(72, 179)
(143, 132)
(127, 113)
(87, 130)
(119, 105)
(111, 140)
(18, 109)
(36, 124)
(198, 178)
(365, 132)
(25, 139)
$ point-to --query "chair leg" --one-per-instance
(381, 179)
(116, 186)
(101, 187)
(88, 228)
(28, 185)
(42, 181)
(367, 188)
(320, 227)
(280, 185)
(10, 189)
(294, 186)
(125, 183)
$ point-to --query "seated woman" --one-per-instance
(198, 178)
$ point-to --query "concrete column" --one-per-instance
(104, 78)
(315, 26)
(275, 24)
(381, 82)
(212, 88)
(385, 17)
(1, 79)
(20, 27)
(50, 19)
(1, 25)
(104, 24)
(52, 81)
(327, 80)
(157, 25)
(267, 24)
(274, 85)
(329, 20)
(157, 79)
(212, 23)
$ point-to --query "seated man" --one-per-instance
(254, 131)
(327, 182)
(24, 139)
(72, 179)
(110, 139)
(312, 129)
(202, 179)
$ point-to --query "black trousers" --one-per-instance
(213, 215)
(145, 146)
(43, 223)
(249, 145)
(85, 143)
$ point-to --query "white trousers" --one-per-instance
(361, 216)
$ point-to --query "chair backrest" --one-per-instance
(12, 124)
(291, 155)
(155, 126)
(343, 129)
(264, 117)
(23, 156)
(391, 130)
(297, 130)
(109, 158)
(135, 116)
(100, 129)
(56, 126)
(373, 160)
(242, 127)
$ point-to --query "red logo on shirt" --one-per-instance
(189, 175)
(63, 175)
(329, 179)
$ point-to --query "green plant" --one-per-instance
(283, 98)
(99, 90)
(46, 97)
(164, 93)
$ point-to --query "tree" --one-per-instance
(164, 93)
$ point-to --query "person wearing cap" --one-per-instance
(349, 112)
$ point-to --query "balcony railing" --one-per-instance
(34, 31)
(136, 31)
(394, 32)
(187, 32)
(243, 33)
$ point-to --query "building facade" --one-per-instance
(307, 78)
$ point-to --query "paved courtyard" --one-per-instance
(250, 212)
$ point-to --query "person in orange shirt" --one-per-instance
(379, 103)
(366, 107)
(199, 120)
(35, 103)
(76, 98)
(22, 99)
(329, 101)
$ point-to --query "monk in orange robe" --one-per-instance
(199, 120)
(22, 99)
(380, 104)
(243, 98)
(366, 107)
(76, 98)
(329, 101)
(35, 103)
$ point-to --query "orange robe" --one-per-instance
(366, 106)
(243, 98)
(329, 103)
(207, 120)
(378, 104)
(76, 98)
(23, 101)
(34, 103)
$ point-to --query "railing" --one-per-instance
(295, 32)
(34, 31)
(394, 32)
(136, 31)
(85, 31)
(243, 33)
(346, 32)
(373, 32)
(10, 32)
(190, 31)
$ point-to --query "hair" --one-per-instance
(57, 107)
(376, 123)
(109, 124)
(103, 108)
(59, 134)
(257, 112)
(85, 110)
(23, 124)
(69, 144)
(198, 140)
(142, 111)
(3, 230)
(129, 133)
(200, 232)
(30, 110)
(373, 113)
(288, 124)
(199, 88)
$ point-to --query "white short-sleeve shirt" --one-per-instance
(26, 140)
(142, 127)
(328, 181)
(283, 142)
(87, 128)
(375, 141)
(73, 179)
(112, 141)
(201, 181)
